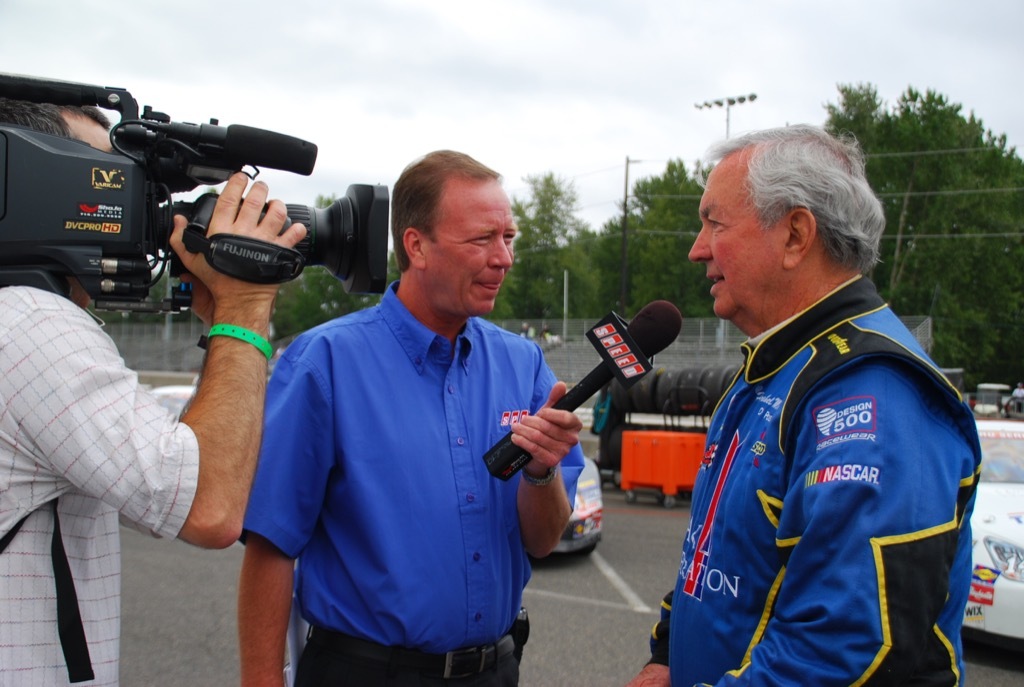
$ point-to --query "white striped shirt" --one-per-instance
(75, 423)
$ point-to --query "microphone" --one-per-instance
(246, 144)
(270, 149)
(653, 328)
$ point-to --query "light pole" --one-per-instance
(726, 103)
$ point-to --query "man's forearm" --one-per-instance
(543, 514)
(226, 416)
(264, 605)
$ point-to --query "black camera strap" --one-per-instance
(69, 619)
(248, 259)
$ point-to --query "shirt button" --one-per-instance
(460, 441)
(470, 498)
(478, 616)
(451, 389)
(476, 556)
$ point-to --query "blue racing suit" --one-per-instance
(829, 540)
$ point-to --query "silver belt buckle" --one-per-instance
(450, 656)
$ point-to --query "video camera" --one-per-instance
(68, 209)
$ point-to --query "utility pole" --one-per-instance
(623, 281)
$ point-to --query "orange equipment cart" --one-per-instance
(660, 459)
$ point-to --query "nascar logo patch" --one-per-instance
(842, 473)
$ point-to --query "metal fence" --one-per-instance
(701, 342)
(172, 346)
(168, 347)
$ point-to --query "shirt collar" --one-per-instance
(767, 352)
(418, 341)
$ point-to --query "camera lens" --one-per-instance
(349, 237)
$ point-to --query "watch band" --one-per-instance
(541, 481)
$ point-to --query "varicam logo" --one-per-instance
(849, 419)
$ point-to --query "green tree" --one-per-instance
(665, 215)
(552, 241)
(661, 225)
(317, 296)
(953, 195)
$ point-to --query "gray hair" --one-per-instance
(805, 166)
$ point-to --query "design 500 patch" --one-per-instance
(845, 420)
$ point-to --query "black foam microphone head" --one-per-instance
(259, 147)
(655, 327)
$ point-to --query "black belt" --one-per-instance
(454, 664)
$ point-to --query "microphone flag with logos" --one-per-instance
(625, 352)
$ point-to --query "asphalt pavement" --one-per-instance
(590, 615)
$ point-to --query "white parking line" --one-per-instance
(578, 599)
(633, 601)
(631, 597)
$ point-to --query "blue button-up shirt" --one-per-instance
(372, 474)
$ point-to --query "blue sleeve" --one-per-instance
(295, 456)
(867, 532)
(660, 632)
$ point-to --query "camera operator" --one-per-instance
(82, 443)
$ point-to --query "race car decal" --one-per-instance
(974, 615)
(983, 582)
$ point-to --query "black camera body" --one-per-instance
(70, 210)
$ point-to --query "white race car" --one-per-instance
(174, 397)
(584, 529)
(996, 604)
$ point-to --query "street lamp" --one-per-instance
(726, 103)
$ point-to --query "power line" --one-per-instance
(894, 194)
(692, 234)
(900, 154)
(951, 192)
(1019, 234)
(947, 151)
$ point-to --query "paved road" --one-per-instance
(590, 615)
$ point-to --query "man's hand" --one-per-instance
(235, 214)
(652, 675)
(549, 434)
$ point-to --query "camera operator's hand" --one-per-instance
(226, 414)
(213, 291)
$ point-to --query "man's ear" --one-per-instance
(414, 242)
(802, 234)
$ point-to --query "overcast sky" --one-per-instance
(572, 87)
